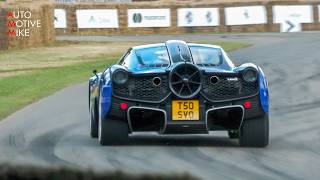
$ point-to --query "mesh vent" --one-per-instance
(141, 88)
(229, 86)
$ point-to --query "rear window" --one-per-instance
(206, 56)
(152, 57)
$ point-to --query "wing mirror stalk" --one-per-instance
(95, 73)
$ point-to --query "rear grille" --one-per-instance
(142, 88)
(229, 86)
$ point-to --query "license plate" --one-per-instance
(185, 110)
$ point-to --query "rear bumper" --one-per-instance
(158, 117)
(202, 126)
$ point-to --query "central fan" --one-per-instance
(185, 80)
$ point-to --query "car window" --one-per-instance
(126, 59)
(122, 59)
(206, 55)
(153, 57)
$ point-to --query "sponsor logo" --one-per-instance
(295, 15)
(92, 19)
(137, 18)
(148, 18)
(209, 17)
(60, 18)
(232, 79)
(155, 17)
(189, 17)
(246, 14)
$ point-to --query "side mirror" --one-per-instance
(95, 72)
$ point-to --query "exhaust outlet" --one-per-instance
(156, 81)
(214, 80)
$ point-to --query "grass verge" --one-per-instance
(17, 91)
(231, 46)
(22, 89)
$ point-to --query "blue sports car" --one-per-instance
(179, 88)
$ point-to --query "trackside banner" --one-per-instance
(97, 18)
(291, 17)
(149, 18)
(60, 19)
(246, 15)
(188, 17)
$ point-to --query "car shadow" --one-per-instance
(182, 140)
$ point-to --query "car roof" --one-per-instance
(205, 45)
(163, 44)
(148, 46)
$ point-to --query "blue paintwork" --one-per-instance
(245, 66)
(263, 85)
(105, 95)
(264, 93)
(150, 70)
(101, 87)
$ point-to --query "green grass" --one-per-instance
(231, 46)
(19, 90)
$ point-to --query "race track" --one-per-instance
(55, 130)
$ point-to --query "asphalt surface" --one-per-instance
(55, 130)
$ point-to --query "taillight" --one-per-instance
(247, 104)
(124, 106)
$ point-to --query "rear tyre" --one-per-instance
(93, 121)
(255, 132)
(233, 134)
(113, 132)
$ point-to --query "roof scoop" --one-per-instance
(178, 51)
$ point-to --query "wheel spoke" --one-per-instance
(193, 74)
(181, 89)
(177, 82)
(177, 74)
(193, 82)
(189, 88)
